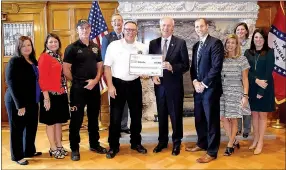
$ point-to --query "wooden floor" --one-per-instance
(273, 156)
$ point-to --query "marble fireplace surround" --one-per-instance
(222, 16)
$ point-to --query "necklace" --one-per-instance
(256, 60)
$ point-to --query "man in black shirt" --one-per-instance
(83, 66)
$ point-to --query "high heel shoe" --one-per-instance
(62, 150)
(57, 154)
(228, 151)
(236, 144)
(253, 146)
(257, 151)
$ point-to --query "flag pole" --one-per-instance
(100, 126)
(277, 124)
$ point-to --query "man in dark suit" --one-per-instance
(169, 89)
(116, 22)
(206, 67)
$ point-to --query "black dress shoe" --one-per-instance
(245, 135)
(25, 162)
(75, 156)
(176, 150)
(238, 133)
(127, 131)
(99, 149)
(160, 147)
(111, 153)
(139, 148)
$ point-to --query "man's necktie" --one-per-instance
(198, 56)
(119, 36)
(165, 49)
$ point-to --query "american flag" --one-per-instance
(98, 30)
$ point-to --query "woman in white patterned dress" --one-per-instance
(234, 100)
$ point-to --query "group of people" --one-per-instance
(232, 81)
(45, 81)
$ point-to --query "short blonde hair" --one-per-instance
(238, 48)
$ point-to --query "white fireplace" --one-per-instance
(222, 17)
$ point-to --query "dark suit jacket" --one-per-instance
(209, 64)
(21, 81)
(177, 56)
(106, 40)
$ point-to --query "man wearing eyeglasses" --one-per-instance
(117, 34)
(124, 87)
(169, 90)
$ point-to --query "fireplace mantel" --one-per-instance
(147, 9)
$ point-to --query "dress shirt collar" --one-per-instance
(204, 38)
(121, 34)
(169, 39)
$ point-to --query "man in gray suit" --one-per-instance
(116, 22)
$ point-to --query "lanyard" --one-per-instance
(256, 60)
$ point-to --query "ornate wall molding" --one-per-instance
(187, 9)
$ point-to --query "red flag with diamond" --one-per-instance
(277, 41)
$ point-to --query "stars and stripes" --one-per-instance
(98, 24)
(98, 30)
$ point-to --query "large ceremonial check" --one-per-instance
(146, 64)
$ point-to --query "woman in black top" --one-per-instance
(261, 87)
(21, 100)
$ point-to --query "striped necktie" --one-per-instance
(119, 36)
(165, 49)
(198, 56)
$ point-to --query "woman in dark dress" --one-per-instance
(54, 109)
(261, 87)
(21, 101)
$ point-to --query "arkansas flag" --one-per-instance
(277, 41)
(98, 30)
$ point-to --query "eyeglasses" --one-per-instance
(130, 30)
(83, 28)
(117, 20)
